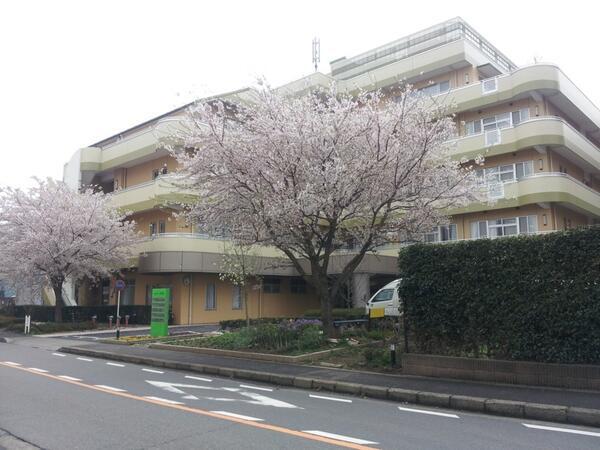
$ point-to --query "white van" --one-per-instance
(387, 299)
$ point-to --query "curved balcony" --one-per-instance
(551, 187)
(149, 195)
(546, 79)
(542, 132)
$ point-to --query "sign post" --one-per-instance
(159, 322)
(119, 286)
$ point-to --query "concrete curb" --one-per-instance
(508, 408)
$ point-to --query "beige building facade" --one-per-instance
(539, 135)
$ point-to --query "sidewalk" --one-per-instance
(501, 399)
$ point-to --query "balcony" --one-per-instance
(148, 195)
(551, 187)
(539, 79)
(538, 132)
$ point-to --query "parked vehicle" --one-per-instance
(386, 298)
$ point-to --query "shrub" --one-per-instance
(338, 313)
(533, 298)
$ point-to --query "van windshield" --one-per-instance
(383, 295)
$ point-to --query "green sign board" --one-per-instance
(159, 322)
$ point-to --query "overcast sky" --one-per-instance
(72, 73)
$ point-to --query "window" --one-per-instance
(297, 285)
(152, 228)
(504, 227)
(211, 296)
(236, 299)
(161, 226)
(494, 177)
(520, 116)
(441, 234)
(435, 89)
(489, 85)
(497, 122)
(384, 296)
(271, 285)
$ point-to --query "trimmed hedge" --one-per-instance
(534, 298)
(138, 314)
(338, 313)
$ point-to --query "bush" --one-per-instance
(236, 324)
(339, 313)
(138, 314)
(533, 298)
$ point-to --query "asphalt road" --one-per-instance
(58, 401)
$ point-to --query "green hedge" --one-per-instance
(338, 313)
(533, 298)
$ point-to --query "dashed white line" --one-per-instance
(152, 371)
(110, 388)
(115, 364)
(35, 369)
(164, 400)
(322, 397)
(247, 386)
(67, 377)
(424, 411)
(339, 437)
(10, 363)
(238, 416)
(563, 430)
(199, 378)
(84, 359)
(59, 354)
(190, 397)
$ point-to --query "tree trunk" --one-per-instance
(324, 297)
(245, 297)
(57, 288)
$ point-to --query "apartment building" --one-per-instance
(539, 134)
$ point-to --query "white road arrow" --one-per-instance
(256, 399)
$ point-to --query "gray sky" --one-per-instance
(72, 73)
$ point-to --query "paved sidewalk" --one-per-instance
(550, 396)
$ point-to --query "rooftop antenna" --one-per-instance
(316, 52)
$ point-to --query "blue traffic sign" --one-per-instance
(119, 285)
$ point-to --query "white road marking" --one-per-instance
(58, 354)
(38, 370)
(115, 364)
(190, 397)
(563, 430)
(110, 388)
(84, 359)
(247, 386)
(67, 377)
(344, 400)
(10, 363)
(424, 411)
(208, 380)
(230, 389)
(164, 400)
(238, 416)
(339, 437)
(152, 371)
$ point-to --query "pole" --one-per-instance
(118, 307)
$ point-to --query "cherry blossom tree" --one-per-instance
(51, 233)
(322, 172)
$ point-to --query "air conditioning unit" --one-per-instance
(489, 85)
(493, 137)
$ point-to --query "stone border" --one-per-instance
(509, 408)
(246, 355)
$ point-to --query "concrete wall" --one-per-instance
(574, 376)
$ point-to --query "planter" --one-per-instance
(572, 376)
(247, 355)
